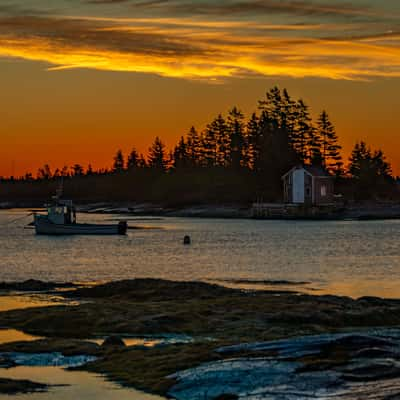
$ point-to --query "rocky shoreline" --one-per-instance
(216, 318)
(370, 211)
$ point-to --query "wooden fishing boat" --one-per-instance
(60, 219)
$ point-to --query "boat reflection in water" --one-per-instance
(60, 219)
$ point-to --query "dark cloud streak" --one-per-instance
(217, 8)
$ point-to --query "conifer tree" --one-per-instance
(276, 155)
(77, 170)
(235, 129)
(330, 149)
(370, 171)
(142, 163)
(314, 148)
(209, 145)
(222, 141)
(273, 105)
(193, 147)
(303, 135)
(119, 162)
(252, 142)
(288, 113)
(133, 159)
(157, 155)
(44, 173)
(180, 157)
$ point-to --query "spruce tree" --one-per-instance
(252, 142)
(119, 163)
(288, 113)
(77, 170)
(133, 160)
(209, 145)
(180, 157)
(142, 163)
(157, 156)
(369, 170)
(193, 147)
(330, 149)
(222, 141)
(44, 173)
(273, 105)
(302, 138)
(235, 129)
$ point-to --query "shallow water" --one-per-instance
(13, 335)
(77, 385)
(354, 258)
(18, 301)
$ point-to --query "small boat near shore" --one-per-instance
(60, 219)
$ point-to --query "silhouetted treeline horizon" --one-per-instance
(233, 159)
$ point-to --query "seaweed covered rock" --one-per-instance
(153, 290)
(33, 285)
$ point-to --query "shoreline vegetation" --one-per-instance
(232, 160)
(213, 316)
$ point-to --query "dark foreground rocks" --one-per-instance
(362, 365)
(220, 320)
(11, 386)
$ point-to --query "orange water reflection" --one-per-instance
(14, 302)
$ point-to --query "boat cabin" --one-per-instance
(61, 212)
(308, 185)
(60, 219)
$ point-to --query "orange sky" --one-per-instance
(79, 81)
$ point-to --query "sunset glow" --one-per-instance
(84, 79)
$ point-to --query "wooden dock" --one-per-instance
(293, 211)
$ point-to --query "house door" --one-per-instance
(298, 186)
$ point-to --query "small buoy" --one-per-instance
(186, 240)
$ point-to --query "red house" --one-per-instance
(308, 185)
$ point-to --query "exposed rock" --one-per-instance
(33, 285)
(67, 347)
(47, 359)
(113, 341)
(227, 396)
(309, 367)
(6, 362)
(12, 387)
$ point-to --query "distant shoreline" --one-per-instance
(361, 212)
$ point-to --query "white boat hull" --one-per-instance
(45, 227)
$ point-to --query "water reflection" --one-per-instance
(13, 335)
(74, 385)
(19, 301)
(335, 256)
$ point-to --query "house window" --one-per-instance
(323, 191)
(308, 192)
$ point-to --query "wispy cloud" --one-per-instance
(202, 48)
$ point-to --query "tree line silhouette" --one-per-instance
(232, 159)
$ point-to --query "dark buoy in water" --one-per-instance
(187, 240)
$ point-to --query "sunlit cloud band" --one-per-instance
(196, 49)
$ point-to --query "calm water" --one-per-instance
(338, 257)
(72, 385)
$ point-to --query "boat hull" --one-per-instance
(44, 227)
